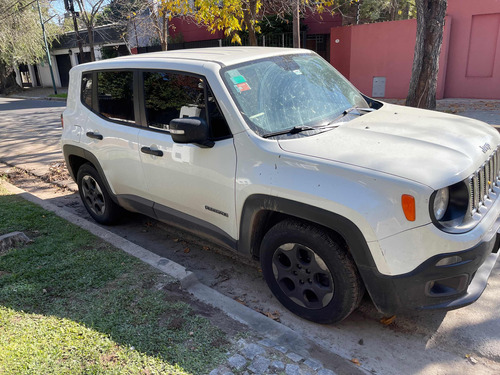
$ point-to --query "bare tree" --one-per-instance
(89, 10)
(430, 25)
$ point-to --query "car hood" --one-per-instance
(429, 147)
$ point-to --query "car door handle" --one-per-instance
(148, 151)
(94, 135)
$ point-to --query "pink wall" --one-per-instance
(384, 49)
(322, 23)
(316, 23)
(469, 65)
(474, 50)
(192, 32)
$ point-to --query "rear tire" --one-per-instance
(95, 197)
(309, 273)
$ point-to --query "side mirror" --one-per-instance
(190, 130)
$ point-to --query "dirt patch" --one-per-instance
(57, 172)
(174, 293)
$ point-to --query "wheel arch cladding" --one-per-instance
(260, 212)
(76, 157)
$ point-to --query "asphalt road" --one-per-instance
(421, 343)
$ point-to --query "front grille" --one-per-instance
(483, 182)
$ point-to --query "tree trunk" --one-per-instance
(78, 36)
(164, 33)
(296, 24)
(90, 31)
(430, 25)
(394, 9)
(8, 83)
(249, 17)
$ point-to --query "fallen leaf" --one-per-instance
(386, 320)
(275, 315)
(186, 250)
(471, 359)
(356, 361)
(175, 240)
(240, 301)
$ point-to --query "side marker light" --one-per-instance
(408, 204)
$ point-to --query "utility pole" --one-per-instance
(69, 6)
(357, 12)
(46, 47)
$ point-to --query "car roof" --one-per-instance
(221, 55)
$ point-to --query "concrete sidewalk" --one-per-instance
(39, 93)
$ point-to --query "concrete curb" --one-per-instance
(269, 328)
(34, 97)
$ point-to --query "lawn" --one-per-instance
(62, 95)
(72, 304)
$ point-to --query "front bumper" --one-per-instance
(445, 281)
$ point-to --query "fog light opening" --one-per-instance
(447, 287)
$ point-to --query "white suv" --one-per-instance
(272, 153)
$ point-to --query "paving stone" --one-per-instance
(250, 351)
(259, 365)
(281, 349)
(292, 370)
(214, 372)
(228, 373)
(242, 342)
(325, 371)
(313, 364)
(237, 361)
(267, 343)
(277, 365)
(294, 357)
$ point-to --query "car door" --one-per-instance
(111, 131)
(191, 186)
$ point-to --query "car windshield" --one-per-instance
(291, 91)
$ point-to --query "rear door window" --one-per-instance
(115, 95)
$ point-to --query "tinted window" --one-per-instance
(169, 96)
(115, 95)
(87, 89)
(218, 125)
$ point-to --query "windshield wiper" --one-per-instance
(349, 110)
(298, 129)
(294, 130)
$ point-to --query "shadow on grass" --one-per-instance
(68, 273)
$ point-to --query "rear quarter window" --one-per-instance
(86, 89)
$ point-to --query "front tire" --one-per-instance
(95, 197)
(310, 274)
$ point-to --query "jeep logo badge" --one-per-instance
(485, 148)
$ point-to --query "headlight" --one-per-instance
(449, 207)
(441, 200)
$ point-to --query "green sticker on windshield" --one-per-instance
(238, 79)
